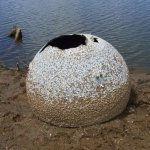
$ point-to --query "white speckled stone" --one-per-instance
(78, 86)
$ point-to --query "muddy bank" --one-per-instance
(21, 130)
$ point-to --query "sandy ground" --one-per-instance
(21, 130)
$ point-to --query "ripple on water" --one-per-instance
(125, 24)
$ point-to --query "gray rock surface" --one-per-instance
(78, 86)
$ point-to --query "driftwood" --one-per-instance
(17, 66)
(16, 33)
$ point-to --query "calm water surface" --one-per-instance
(123, 23)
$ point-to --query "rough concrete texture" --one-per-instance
(78, 86)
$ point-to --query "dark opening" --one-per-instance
(67, 41)
(95, 40)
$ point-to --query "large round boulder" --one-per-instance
(77, 80)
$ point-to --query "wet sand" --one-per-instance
(21, 130)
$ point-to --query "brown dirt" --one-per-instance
(21, 130)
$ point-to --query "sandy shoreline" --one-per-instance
(21, 130)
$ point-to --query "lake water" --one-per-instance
(123, 23)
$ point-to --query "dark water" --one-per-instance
(123, 23)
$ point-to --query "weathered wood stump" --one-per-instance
(16, 33)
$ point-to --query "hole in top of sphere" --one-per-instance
(67, 41)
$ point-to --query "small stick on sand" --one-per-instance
(17, 65)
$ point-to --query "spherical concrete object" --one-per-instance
(77, 80)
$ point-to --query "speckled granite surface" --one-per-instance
(78, 86)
